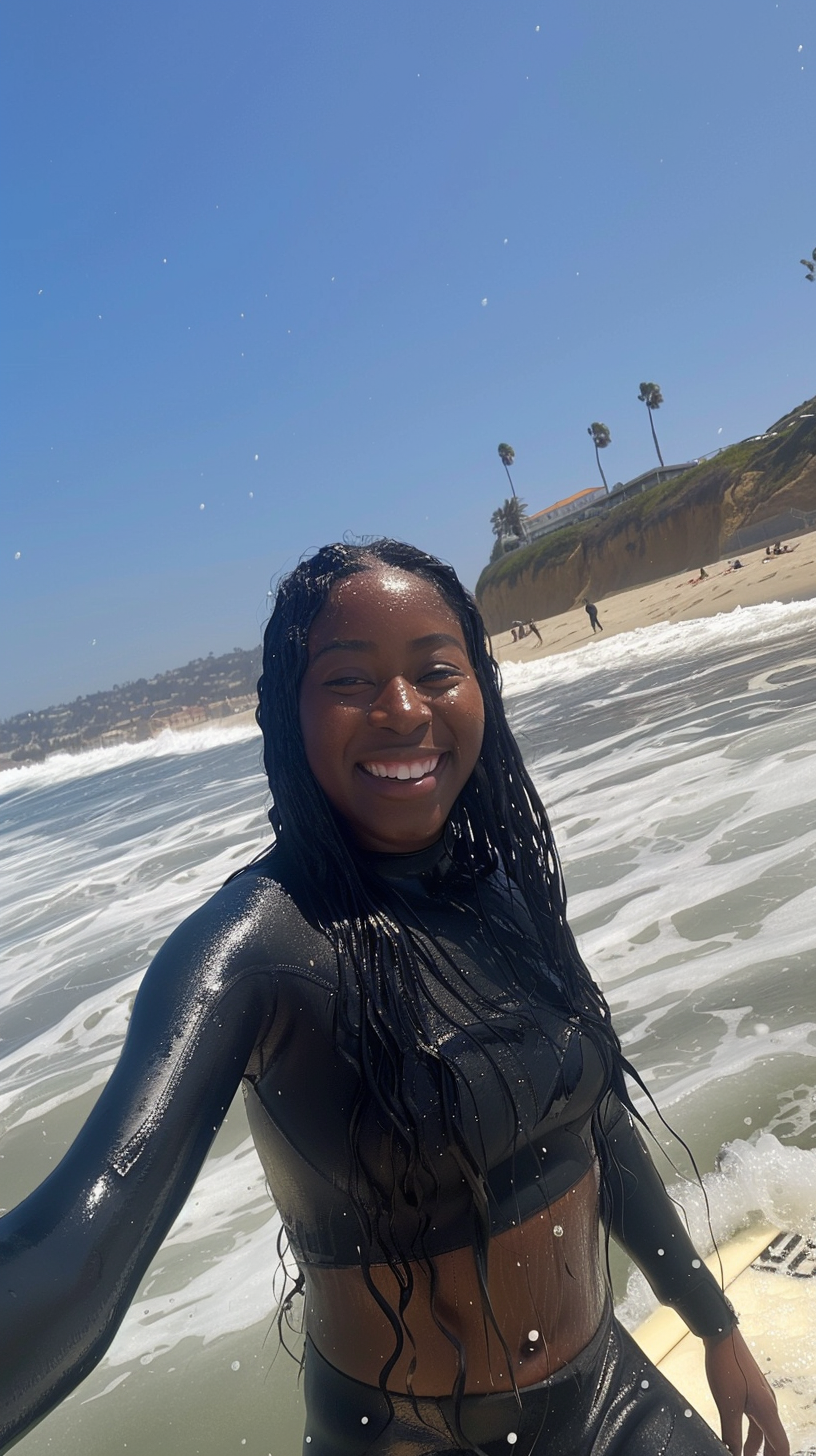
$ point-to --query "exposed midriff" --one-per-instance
(546, 1292)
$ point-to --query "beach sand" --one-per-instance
(787, 578)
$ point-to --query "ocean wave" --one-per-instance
(171, 743)
(742, 627)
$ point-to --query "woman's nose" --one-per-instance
(399, 705)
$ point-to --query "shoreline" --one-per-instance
(790, 577)
(677, 598)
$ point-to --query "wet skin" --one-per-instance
(546, 1289)
(390, 689)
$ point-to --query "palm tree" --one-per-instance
(600, 439)
(497, 525)
(810, 265)
(507, 455)
(653, 399)
(514, 511)
(508, 519)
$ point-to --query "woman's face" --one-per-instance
(390, 709)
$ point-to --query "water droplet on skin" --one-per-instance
(532, 1336)
(695, 1263)
(644, 1385)
(661, 1252)
(236, 1365)
(511, 1438)
(558, 1232)
(363, 1420)
(687, 1412)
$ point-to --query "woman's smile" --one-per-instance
(390, 708)
(415, 768)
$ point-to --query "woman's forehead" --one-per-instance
(381, 595)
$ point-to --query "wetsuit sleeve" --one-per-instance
(72, 1254)
(645, 1222)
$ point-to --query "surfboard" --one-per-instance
(770, 1277)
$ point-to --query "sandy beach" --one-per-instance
(787, 578)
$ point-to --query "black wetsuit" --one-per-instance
(247, 988)
(592, 612)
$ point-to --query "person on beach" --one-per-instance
(592, 612)
(531, 627)
(432, 1079)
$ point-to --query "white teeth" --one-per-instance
(402, 771)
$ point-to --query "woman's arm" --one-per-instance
(72, 1254)
(646, 1223)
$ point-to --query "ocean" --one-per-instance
(679, 767)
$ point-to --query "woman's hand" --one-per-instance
(740, 1389)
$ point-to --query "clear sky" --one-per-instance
(273, 273)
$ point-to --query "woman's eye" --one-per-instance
(345, 682)
(442, 673)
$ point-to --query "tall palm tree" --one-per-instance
(601, 437)
(653, 399)
(811, 267)
(507, 455)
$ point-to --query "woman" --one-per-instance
(432, 1080)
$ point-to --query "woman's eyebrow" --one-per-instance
(437, 639)
(417, 644)
(353, 644)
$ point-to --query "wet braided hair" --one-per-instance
(497, 823)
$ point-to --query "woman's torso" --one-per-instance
(523, 1080)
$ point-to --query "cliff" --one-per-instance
(688, 522)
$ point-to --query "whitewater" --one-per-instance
(678, 763)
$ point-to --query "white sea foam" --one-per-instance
(172, 742)
(758, 1180)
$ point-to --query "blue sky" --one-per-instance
(305, 266)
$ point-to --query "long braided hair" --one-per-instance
(498, 824)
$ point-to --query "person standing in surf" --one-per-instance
(432, 1078)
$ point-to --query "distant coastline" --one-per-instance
(209, 689)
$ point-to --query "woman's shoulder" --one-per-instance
(251, 923)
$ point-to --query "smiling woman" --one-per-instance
(392, 720)
(432, 1080)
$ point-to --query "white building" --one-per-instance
(554, 516)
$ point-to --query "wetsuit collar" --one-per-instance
(435, 859)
